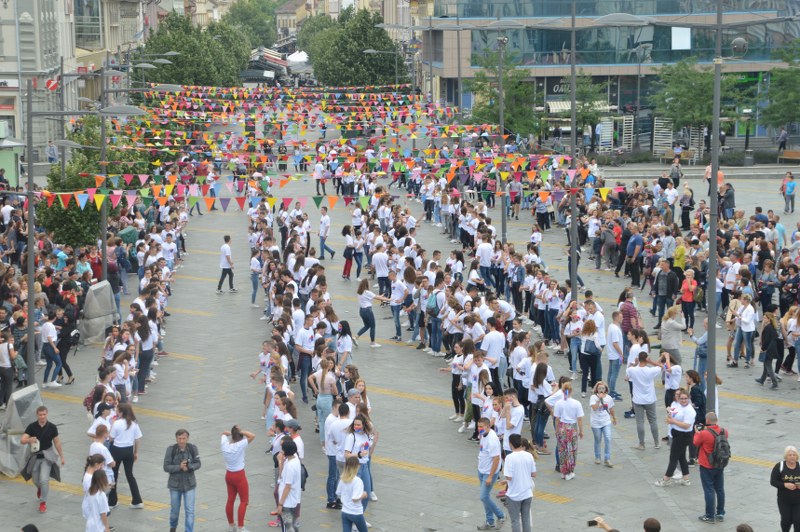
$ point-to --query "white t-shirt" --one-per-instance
(233, 453)
(643, 379)
(380, 261)
(601, 417)
(123, 435)
(337, 435)
(99, 448)
(614, 335)
(356, 443)
(517, 416)
(324, 226)
(489, 449)
(484, 254)
(350, 494)
(672, 378)
(290, 476)
(224, 253)
(493, 344)
(568, 411)
(519, 467)
(684, 414)
(92, 507)
(365, 299)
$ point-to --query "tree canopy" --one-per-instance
(337, 52)
(255, 19)
(519, 109)
(587, 95)
(683, 93)
(212, 56)
(784, 89)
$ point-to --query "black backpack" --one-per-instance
(720, 455)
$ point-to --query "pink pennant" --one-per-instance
(115, 199)
(143, 178)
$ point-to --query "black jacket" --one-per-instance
(181, 480)
(673, 285)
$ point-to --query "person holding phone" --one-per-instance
(181, 461)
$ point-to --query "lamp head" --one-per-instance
(739, 46)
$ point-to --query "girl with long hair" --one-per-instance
(568, 414)
(365, 297)
(360, 443)
(349, 251)
(351, 492)
(233, 446)
(95, 507)
(344, 344)
(125, 436)
(323, 383)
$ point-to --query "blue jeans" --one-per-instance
(413, 316)
(366, 478)
(701, 369)
(305, 371)
(748, 346)
(145, 359)
(254, 279)
(486, 275)
(489, 506)
(659, 305)
(175, 508)
(368, 317)
(553, 333)
(613, 372)
(350, 520)
(52, 359)
(541, 424)
(358, 256)
(333, 478)
(436, 334)
(574, 348)
(605, 433)
(323, 246)
(324, 405)
(398, 330)
(713, 481)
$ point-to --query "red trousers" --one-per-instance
(236, 481)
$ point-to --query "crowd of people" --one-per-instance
(493, 312)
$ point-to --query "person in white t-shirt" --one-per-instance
(568, 414)
(289, 486)
(519, 470)
(680, 418)
(233, 446)
(601, 419)
(324, 231)
(614, 350)
(226, 265)
(489, 464)
(350, 491)
(643, 377)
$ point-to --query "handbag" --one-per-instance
(303, 476)
(348, 252)
(590, 348)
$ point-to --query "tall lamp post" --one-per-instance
(122, 110)
(458, 28)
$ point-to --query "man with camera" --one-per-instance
(181, 461)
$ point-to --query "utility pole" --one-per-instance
(31, 332)
(104, 206)
(573, 124)
(502, 41)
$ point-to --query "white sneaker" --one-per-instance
(458, 419)
(44, 385)
(428, 350)
(368, 524)
(410, 341)
(439, 354)
(462, 429)
(41, 363)
(154, 363)
(451, 418)
(569, 476)
(54, 384)
(573, 376)
(264, 317)
(135, 399)
(254, 305)
(373, 344)
(471, 425)
(373, 497)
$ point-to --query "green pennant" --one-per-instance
(318, 200)
(147, 201)
(158, 179)
(264, 185)
(193, 200)
(364, 201)
(486, 195)
(144, 192)
(104, 191)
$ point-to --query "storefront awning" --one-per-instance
(566, 107)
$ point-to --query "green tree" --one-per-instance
(683, 92)
(254, 18)
(519, 107)
(337, 53)
(784, 89)
(72, 225)
(587, 95)
(214, 56)
(310, 29)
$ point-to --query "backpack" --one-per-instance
(721, 454)
(88, 401)
(432, 306)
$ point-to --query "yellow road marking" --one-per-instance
(76, 489)
(185, 356)
(410, 396)
(139, 410)
(457, 477)
(205, 230)
(761, 400)
(195, 278)
(190, 312)
(753, 461)
(204, 252)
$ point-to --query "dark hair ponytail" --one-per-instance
(236, 433)
(93, 460)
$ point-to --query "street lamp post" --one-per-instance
(573, 125)
(395, 53)
(502, 41)
(458, 28)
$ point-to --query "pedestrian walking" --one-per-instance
(226, 265)
(713, 456)
(365, 297)
(769, 349)
(489, 462)
(234, 446)
(95, 507)
(7, 360)
(350, 490)
(181, 461)
(125, 437)
(785, 477)
(519, 470)
(42, 436)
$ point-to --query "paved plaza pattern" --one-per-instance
(425, 472)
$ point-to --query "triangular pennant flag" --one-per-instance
(193, 201)
(543, 195)
(50, 199)
(287, 202)
(162, 200)
(302, 201)
(143, 178)
(604, 192)
(347, 200)
(98, 200)
(224, 202)
(589, 194)
(570, 176)
(115, 198)
(99, 180)
(241, 199)
(364, 201)
(332, 201)
(82, 199)
(209, 203)
(271, 202)
(64, 199)
(317, 200)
